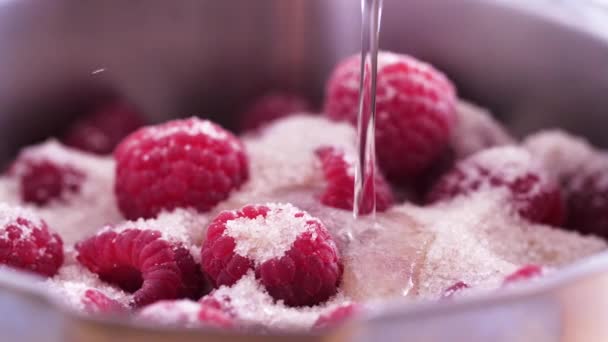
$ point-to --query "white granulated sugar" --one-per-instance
(180, 225)
(9, 215)
(265, 238)
(283, 156)
(72, 281)
(476, 130)
(560, 153)
(77, 215)
(478, 241)
(198, 127)
(253, 306)
(179, 313)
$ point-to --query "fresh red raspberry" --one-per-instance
(43, 180)
(100, 131)
(524, 273)
(533, 193)
(214, 313)
(292, 253)
(179, 164)
(270, 107)
(142, 262)
(415, 106)
(96, 302)
(340, 180)
(337, 316)
(27, 243)
(457, 287)
(587, 198)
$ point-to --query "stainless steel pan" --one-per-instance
(534, 65)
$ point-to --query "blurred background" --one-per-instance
(534, 63)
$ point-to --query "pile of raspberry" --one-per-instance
(185, 223)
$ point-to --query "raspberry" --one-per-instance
(524, 273)
(142, 262)
(186, 313)
(415, 107)
(339, 177)
(214, 313)
(292, 253)
(96, 302)
(532, 192)
(337, 316)
(270, 107)
(183, 163)
(100, 131)
(43, 180)
(587, 198)
(27, 243)
(457, 287)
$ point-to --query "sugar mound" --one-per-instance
(181, 313)
(283, 155)
(179, 225)
(476, 130)
(265, 238)
(82, 213)
(253, 306)
(72, 281)
(560, 153)
(478, 241)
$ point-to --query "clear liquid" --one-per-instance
(371, 11)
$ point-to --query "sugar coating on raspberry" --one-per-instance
(270, 107)
(511, 171)
(254, 307)
(141, 261)
(476, 130)
(191, 163)
(339, 172)
(72, 286)
(83, 212)
(185, 226)
(415, 107)
(27, 243)
(292, 253)
(560, 153)
(287, 145)
(184, 313)
(486, 242)
(266, 237)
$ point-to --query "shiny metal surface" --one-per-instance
(535, 66)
